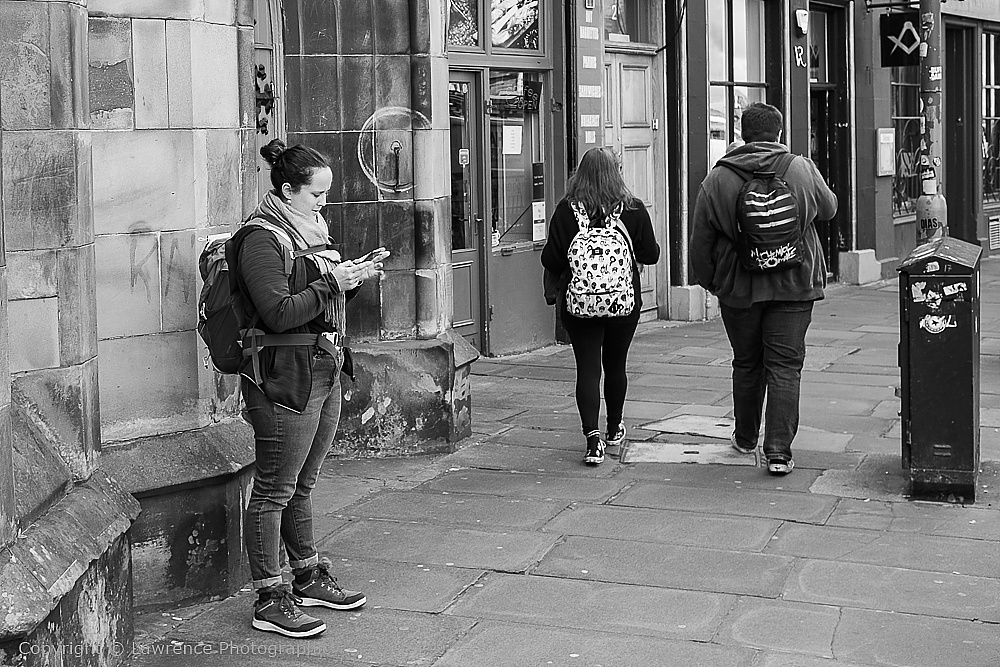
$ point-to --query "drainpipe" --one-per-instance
(932, 209)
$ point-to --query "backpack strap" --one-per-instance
(782, 164)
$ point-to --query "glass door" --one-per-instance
(465, 112)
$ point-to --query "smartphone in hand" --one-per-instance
(372, 255)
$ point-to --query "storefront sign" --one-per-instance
(532, 96)
(900, 39)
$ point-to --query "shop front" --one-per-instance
(507, 167)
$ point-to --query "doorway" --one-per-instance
(959, 134)
(465, 112)
(829, 126)
(630, 127)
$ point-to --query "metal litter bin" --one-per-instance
(939, 368)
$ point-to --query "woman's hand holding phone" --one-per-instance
(370, 265)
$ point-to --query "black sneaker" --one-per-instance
(595, 449)
(276, 610)
(780, 466)
(322, 590)
(616, 435)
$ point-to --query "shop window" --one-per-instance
(736, 67)
(991, 118)
(515, 154)
(626, 20)
(906, 118)
(513, 24)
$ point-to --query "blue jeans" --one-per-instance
(769, 347)
(290, 450)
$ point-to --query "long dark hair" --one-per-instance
(294, 165)
(597, 183)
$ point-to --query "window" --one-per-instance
(906, 119)
(626, 20)
(515, 153)
(991, 118)
(513, 24)
(736, 68)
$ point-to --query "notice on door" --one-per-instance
(538, 221)
(512, 139)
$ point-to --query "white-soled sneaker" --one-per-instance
(595, 449)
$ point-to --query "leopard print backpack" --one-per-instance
(602, 264)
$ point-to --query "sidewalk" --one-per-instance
(511, 553)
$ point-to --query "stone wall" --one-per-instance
(168, 103)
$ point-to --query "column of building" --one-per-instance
(70, 518)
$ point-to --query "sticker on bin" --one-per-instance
(935, 324)
(955, 288)
(932, 267)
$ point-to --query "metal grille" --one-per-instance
(994, 224)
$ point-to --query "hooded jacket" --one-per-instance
(713, 256)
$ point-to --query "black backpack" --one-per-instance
(769, 231)
(218, 322)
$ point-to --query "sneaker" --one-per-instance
(276, 610)
(780, 466)
(615, 435)
(740, 448)
(322, 590)
(595, 449)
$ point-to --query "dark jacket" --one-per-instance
(281, 303)
(713, 231)
(563, 227)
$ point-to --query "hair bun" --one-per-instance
(273, 150)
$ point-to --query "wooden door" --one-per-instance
(630, 127)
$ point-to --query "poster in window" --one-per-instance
(514, 24)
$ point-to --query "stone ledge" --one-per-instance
(149, 466)
(48, 558)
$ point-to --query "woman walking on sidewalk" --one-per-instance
(587, 229)
(288, 281)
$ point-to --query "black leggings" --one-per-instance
(600, 342)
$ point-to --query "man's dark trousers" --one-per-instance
(769, 347)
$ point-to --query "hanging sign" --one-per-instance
(899, 37)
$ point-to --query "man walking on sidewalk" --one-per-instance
(766, 280)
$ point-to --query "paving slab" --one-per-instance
(525, 485)
(638, 366)
(919, 517)
(678, 395)
(527, 458)
(365, 636)
(637, 382)
(747, 476)
(512, 551)
(912, 551)
(849, 424)
(670, 566)
(494, 644)
(678, 528)
(806, 459)
(819, 357)
(767, 659)
(568, 421)
(675, 452)
(879, 477)
(492, 413)
(471, 510)
(902, 640)
(406, 586)
(540, 373)
(838, 405)
(781, 626)
(531, 387)
(818, 440)
(786, 505)
(561, 438)
(594, 605)
(895, 589)
(706, 425)
(333, 492)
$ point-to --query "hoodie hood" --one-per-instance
(754, 156)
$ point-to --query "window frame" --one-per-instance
(486, 49)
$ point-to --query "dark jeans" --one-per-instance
(769, 347)
(290, 450)
(600, 342)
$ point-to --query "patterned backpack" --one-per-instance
(602, 265)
